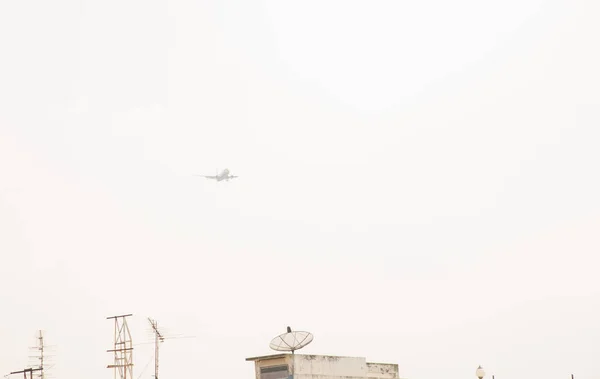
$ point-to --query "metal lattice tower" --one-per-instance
(123, 349)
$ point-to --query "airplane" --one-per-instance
(224, 175)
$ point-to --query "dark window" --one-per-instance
(274, 372)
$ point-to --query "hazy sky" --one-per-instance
(418, 183)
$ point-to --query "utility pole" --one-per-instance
(158, 337)
(123, 348)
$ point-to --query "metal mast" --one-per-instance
(123, 349)
(158, 337)
(41, 359)
(40, 356)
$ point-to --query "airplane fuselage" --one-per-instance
(224, 175)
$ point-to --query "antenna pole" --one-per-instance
(41, 346)
(40, 357)
(155, 351)
(158, 337)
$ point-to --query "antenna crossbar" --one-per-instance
(111, 317)
(25, 371)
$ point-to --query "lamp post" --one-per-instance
(480, 373)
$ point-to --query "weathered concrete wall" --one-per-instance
(382, 371)
(328, 367)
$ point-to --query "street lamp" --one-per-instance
(480, 373)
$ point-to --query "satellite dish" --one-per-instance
(291, 341)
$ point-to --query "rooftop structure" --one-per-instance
(301, 366)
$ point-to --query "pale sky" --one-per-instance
(418, 183)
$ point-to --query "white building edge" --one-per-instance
(301, 366)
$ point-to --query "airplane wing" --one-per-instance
(233, 176)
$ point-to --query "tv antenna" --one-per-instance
(41, 359)
(159, 337)
(291, 341)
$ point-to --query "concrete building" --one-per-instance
(300, 366)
